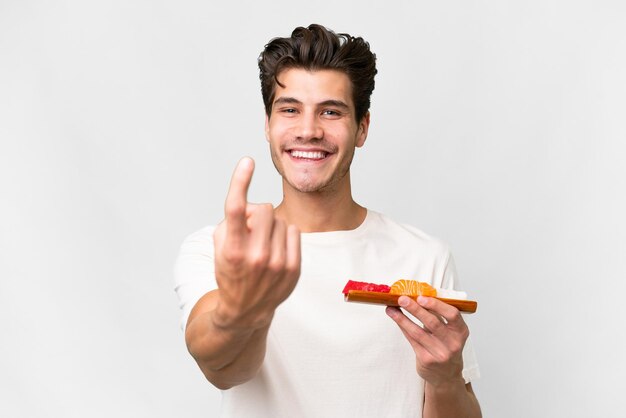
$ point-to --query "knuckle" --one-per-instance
(457, 344)
(233, 256)
(292, 272)
(292, 267)
(457, 317)
(456, 348)
(434, 325)
(260, 259)
(445, 357)
(429, 362)
(276, 265)
(234, 210)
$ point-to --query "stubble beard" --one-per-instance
(308, 186)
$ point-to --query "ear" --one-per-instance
(361, 134)
(267, 128)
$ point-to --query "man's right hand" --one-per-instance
(257, 258)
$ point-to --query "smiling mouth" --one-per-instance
(308, 155)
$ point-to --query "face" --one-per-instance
(312, 129)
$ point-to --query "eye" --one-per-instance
(331, 112)
(286, 111)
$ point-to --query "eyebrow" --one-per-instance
(287, 100)
(330, 102)
(335, 103)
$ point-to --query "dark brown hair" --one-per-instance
(317, 48)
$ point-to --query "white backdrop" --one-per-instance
(496, 125)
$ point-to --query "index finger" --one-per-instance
(451, 314)
(237, 197)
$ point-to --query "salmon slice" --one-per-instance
(412, 288)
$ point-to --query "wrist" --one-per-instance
(226, 318)
(452, 398)
(447, 386)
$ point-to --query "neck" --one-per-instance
(321, 211)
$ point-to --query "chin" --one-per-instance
(307, 187)
(310, 187)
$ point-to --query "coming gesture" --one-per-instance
(257, 258)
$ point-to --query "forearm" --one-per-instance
(227, 357)
(451, 400)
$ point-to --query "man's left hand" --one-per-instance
(438, 345)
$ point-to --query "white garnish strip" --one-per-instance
(451, 294)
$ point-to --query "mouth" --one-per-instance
(312, 155)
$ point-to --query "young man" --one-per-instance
(261, 292)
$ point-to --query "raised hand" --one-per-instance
(438, 345)
(257, 257)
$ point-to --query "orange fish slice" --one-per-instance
(412, 288)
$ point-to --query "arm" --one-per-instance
(454, 400)
(438, 347)
(226, 356)
(257, 265)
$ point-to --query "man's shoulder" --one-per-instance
(199, 239)
(406, 234)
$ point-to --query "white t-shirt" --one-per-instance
(327, 357)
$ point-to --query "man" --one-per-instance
(269, 325)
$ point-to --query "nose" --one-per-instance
(309, 128)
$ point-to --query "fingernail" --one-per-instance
(391, 312)
(403, 301)
(422, 300)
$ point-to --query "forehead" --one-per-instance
(314, 86)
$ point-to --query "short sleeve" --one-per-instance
(449, 278)
(194, 271)
(450, 281)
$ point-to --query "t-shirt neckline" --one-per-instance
(330, 237)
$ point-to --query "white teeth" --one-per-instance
(313, 155)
